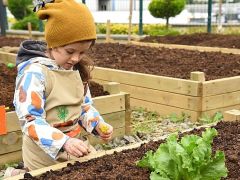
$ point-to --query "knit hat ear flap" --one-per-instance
(46, 11)
(67, 22)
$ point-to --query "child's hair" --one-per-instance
(85, 66)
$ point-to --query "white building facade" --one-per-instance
(117, 11)
(114, 5)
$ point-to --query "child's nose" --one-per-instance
(75, 58)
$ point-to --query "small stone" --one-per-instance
(130, 139)
(184, 126)
(137, 138)
(2, 172)
(171, 129)
(98, 147)
(116, 140)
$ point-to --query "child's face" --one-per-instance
(69, 55)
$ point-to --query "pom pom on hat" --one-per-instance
(67, 22)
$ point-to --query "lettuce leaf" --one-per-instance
(188, 159)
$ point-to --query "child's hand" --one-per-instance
(76, 147)
(104, 130)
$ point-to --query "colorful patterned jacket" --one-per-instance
(30, 102)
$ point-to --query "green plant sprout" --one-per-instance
(206, 119)
(10, 65)
(178, 118)
(144, 121)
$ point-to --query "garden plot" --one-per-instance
(200, 42)
(171, 80)
(122, 165)
(114, 108)
(198, 39)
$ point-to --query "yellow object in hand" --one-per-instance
(103, 127)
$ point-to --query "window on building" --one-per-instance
(104, 5)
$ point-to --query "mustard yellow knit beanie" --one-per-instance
(67, 22)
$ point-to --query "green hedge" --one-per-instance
(149, 29)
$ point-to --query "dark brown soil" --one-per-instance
(7, 85)
(198, 39)
(122, 165)
(97, 89)
(177, 63)
(166, 62)
(9, 41)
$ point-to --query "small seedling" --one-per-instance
(10, 65)
(206, 119)
(178, 118)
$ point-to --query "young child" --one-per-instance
(52, 98)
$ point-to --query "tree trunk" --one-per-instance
(167, 23)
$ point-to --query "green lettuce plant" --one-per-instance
(191, 158)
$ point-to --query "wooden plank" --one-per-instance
(11, 157)
(7, 57)
(175, 85)
(221, 101)
(187, 47)
(162, 97)
(116, 119)
(163, 109)
(128, 120)
(197, 76)
(12, 122)
(222, 110)
(117, 132)
(11, 142)
(111, 87)
(232, 115)
(110, 103)
(221, 86)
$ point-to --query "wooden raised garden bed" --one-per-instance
(167, 95)
(120, 163)
(194, 96)
(114, 108)
(189, 47)
(227, 41)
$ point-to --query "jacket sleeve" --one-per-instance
(89, 117)
(29, 103)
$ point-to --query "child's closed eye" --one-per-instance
(69, 52)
